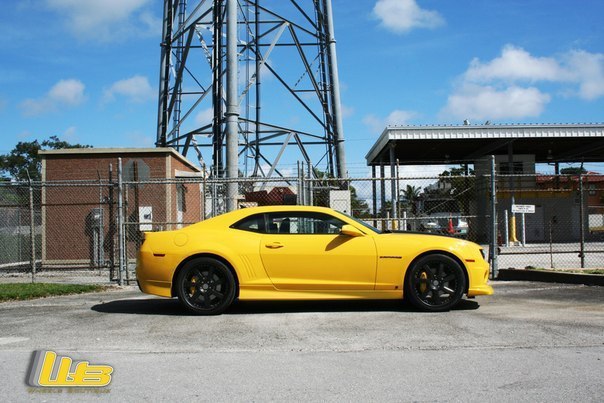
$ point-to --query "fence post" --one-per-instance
(310, 185)
(203, 192)
(581, 221)
(111, 224)
(506, 227)
(493, 247)
(32, 231)
(300, 197)
(120, 222)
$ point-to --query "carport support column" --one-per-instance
(393, 180)
(374, 195)
(383, 193)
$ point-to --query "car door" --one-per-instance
(305, 251)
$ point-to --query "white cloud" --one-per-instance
(497, 89)
(347, 111)
(106, 20)
(396, 118)
(68, 92)
(136, 89)
(24, 135)
(516, 64)
(589, 71)
(411, 171)
(402, 16)
(139, 139)
(374, 124)
(70, 134)
(204, 117)
(399, 117)
(486, 102)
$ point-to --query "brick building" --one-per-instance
(593, 185)
(79, 201)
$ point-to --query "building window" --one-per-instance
(515, 168)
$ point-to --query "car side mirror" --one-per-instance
(349, 230)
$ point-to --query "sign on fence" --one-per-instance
(523, 208)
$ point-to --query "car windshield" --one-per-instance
(363, 223)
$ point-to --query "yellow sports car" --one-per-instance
(303, 253)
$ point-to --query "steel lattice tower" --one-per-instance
(250, 85)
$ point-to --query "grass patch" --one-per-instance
(19, 291)
(577, 271)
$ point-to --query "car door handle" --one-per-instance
(274, 245)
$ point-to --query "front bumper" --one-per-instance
(478, 276)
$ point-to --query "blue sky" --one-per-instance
(87, 71)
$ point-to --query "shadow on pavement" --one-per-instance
(170, 307)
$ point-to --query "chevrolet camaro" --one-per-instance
(306, 253)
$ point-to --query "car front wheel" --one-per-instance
(435, 283)
(205, 286)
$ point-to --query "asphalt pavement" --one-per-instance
(528, 342)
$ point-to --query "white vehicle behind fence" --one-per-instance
(448, 223)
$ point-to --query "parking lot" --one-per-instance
(528, 342)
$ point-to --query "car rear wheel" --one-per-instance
(435, 283)
(205, 286)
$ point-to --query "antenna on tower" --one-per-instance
(264, 93)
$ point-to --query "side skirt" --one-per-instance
(269, 293)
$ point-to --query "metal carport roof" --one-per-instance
(417, 145)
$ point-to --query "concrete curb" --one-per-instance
(550, 277)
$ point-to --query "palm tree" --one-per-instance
(411, 196)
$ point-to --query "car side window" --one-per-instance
(254, 223)
(303, 223)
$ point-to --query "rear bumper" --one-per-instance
(152, 275)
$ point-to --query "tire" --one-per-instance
(205, 286)
(435, 283)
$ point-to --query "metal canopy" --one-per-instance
(418, 145)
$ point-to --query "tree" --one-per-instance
(453, 192)
(24, 158)
(573, 171)
(323, 184)
(410, 197)
(360, 208)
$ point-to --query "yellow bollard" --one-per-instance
(513, 239)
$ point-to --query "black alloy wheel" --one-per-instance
(435, 283)
(205, 286)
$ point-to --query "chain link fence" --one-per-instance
(551, 221)
(90, 231)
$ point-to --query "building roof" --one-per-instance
(588, 177)
(416, 145)
(117, 152)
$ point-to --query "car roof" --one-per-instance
(236, 215)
